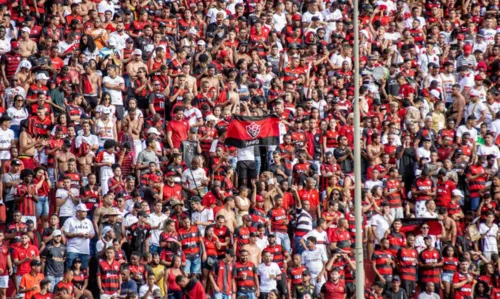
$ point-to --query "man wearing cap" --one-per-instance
(27, 47)
(191, 147)
(476, 107)
(78, 231)
(395, 291)
(106, 240)
(30, 282)
(467, 59)
(135, 65)
(53, 256)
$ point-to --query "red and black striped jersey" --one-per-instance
(407, 263)
(430, 256)
(245, 274)
(190, 240)
(110, 276)
(27, 205)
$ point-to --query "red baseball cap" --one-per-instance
(468, 49)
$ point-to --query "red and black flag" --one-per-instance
(244, 131)
(413, 225)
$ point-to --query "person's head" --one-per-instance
(267, 257)
(182, 281)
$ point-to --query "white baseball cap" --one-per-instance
(153, 131)
(81, 208)
(457, 192)
(42, 76)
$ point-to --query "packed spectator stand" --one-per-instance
(118, 180)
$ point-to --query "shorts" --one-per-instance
(447, 277)
(206, 265)
(4, 282)
(120, 112)
(193, 266)
(42, 206)
(246, 169)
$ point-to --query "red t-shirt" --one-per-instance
(179, 131)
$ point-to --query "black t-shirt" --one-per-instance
(54, 256)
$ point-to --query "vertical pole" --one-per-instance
(360, 271)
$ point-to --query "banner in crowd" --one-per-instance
(412, 225)
(246, 131)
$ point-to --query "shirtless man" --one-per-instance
(450, 227)
(62, 158)
(85, 7)
(456, 109)
(134, 66)
(91, 96)
(132, 124)
(234, 97)
(86, 154)
(100, 212)
(228, 212)
(255, 252)
(27, 147)
(190, 80)
(213, 79)
(27, 47)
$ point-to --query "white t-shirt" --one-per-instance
(212, 14)
(381, 224)
(144, 289)
(68, 209)
(321, 238)
(6, 138)
(262, 243)
(154, 220)
(205, 215)
(73, 226)
(192, 115)
(104, 5)
(490, 239)
(314, 260)
(194, 178)
(91, 140)
(246, 154)
(264, 271)
(11, 92)
(121, 40)
(116, 95)
(462, 129)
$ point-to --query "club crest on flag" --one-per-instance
(253, 130)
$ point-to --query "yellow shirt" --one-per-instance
(159, 272)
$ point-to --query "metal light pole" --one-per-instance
(360, 271)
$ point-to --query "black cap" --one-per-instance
(137, 205)
(35, 263)
(396, 278)
(442, 171)
(142, 213)
(16, 163)
(196, 198)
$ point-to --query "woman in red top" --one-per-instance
(210, 240)
(42, 184)
(450, 263)
(173, 289)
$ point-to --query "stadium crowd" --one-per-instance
(117, 181)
